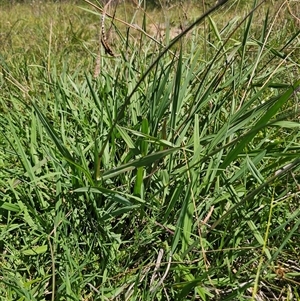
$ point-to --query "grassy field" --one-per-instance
(164, 167)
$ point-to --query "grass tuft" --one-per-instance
(167, 171)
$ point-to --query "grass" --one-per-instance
(170, 174)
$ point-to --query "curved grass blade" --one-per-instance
(281, 100)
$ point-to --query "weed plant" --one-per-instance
(170, 173)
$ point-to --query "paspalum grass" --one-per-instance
(171, 175)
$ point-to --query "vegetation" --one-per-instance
(168, 170)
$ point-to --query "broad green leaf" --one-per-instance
(35, 250)
(144, 161)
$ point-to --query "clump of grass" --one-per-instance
(173, 174)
